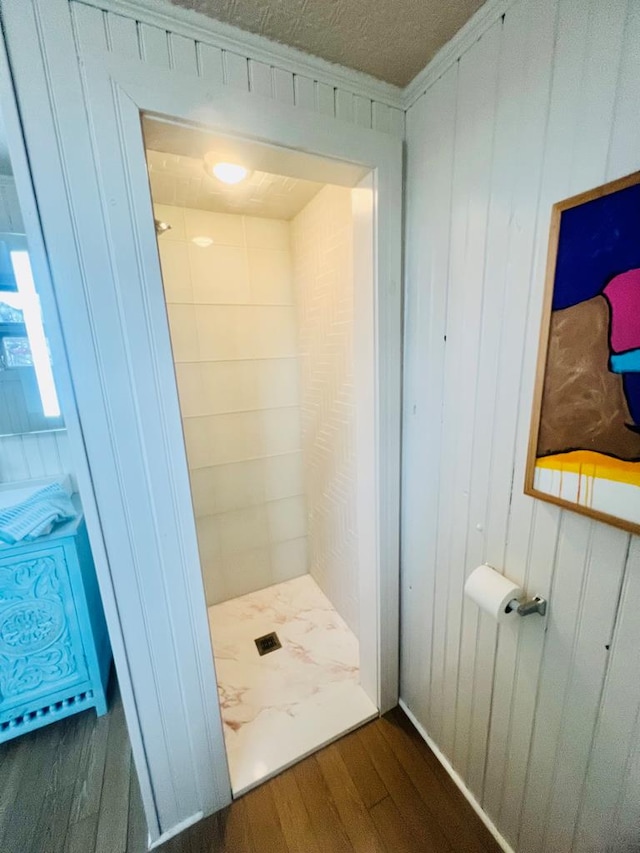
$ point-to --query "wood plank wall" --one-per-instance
(10, 215)
(203, 58)
(543, 725)
(544, 105)
(33, 455)
(179, 723)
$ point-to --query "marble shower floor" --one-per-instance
(280, 707)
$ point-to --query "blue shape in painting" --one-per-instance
(631, 385)
(598, 240)
(625, 362)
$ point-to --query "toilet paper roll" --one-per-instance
(492, 592)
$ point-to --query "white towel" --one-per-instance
(37, 515)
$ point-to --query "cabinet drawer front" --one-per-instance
(41, 648)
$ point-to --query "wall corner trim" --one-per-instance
(475, 27)
(175, 830)
(475, 805)
(192, 24)
(199, 27)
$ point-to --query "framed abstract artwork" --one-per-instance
(584, 445)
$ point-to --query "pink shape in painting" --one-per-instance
(623, 294)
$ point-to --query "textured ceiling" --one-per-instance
(389, 39)
(180, 180)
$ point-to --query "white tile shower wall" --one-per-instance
(235, 346)
(322, 242)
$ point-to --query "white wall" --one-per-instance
(10, 215)
(235, 345)
(543, 725)
(322, 243)
(42, 454)
(80, 91)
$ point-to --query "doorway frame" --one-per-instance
(96, 218)
(362, 191)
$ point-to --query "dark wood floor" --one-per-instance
(377, 790)
(71, 788)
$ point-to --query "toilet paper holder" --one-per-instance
(526, 608)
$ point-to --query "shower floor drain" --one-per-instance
(268, 643)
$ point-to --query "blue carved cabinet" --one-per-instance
(54, 647)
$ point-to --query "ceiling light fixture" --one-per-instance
(230, 173)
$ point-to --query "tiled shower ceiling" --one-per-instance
(389, 39)
(180, 180)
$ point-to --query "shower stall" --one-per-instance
(258, 279)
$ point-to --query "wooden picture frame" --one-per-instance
(584, 441)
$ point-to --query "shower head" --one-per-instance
(161, 227)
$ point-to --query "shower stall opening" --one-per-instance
(266, 259)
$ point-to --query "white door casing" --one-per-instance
(82, 127)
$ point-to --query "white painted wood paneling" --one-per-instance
(261, 68)
(538, 718)
(96, 71)
(477, 76)
(71, 450)
(41, 454)
(305, 92)
(432, 130)
(10, 216)
(199, 27)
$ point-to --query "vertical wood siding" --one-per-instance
(131, 39)
(541, 719)
(34, 455)
(83, 88)
(10, 215)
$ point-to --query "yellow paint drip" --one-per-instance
(588, 464)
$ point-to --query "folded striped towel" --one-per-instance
(37, 515)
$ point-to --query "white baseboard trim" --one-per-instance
(475, 805)
(176, 830)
